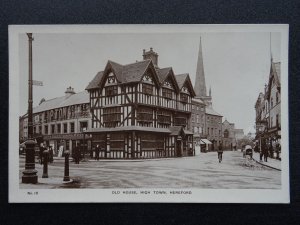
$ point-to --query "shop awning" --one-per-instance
(205, 141)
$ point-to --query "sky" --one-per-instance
(236, 64)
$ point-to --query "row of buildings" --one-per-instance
(138, 110)
(268, 113)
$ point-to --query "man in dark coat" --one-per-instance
(77, 154)
(266, 152)
(97, 150)
(220, 152)
(42, 148)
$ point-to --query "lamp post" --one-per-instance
(30, 173)
(83, 131)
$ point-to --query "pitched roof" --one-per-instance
(95, 82)
(134, 72)
(117, 68)
(181, 79)
(175, 130)
(75, 99)
(162, 73)
(198, 100)
(211, 111)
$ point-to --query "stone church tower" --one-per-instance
(200, 85)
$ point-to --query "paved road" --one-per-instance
(201, 171)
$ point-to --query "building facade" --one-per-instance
(268, 113)
(231, 135)
(198, 120)
(228, 135)
(141, 111)
(213, 126)
(61, 122)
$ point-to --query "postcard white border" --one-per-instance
(17, 195)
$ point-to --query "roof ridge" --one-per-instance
(137, 62)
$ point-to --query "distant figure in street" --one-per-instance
(271, 150)
(42, 148)
(265, 152)
(220, 152)
(50, 154)
(261, 154)
(278, 148)
(77, 154)
(97, 151)
(61, 150)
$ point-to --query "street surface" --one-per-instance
(200, 171)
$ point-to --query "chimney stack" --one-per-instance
(151, 55)
(70, 91)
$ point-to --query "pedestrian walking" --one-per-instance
(220, 152)
(50, 154)
(41, 153)
(76, 154)
(271, 150)
(266, 152)
(97, 151)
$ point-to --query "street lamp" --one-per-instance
(83, 131)
(30, 173)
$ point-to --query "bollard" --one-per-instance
(45, 161)
(66, 177)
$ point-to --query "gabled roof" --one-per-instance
(75, 99)
(211, 111)
(95, 82)
(164, 73)
(134, 72)
(182, 79)
(274, 74)
(117, 69)
(259, 100)
(175, 130)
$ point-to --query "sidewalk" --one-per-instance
(273, 163)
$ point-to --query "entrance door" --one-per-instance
(179, 148)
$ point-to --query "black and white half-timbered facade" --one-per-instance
(141, 111)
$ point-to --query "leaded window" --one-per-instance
(180, 121)
(183, 98)
(147, 89)
(111, 90)
(164, 117)
(111, 116)
(145, 114)
(167, 93)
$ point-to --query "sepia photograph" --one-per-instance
(148, 113)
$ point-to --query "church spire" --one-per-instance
(200, 86)
(271, 56)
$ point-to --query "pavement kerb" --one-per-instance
(266, 165)
(113, 160)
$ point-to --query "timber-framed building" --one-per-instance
(141, 111)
